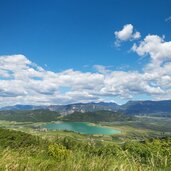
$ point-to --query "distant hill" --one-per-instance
(23, 107)
(157, 108)
(68, 109)
(83, 107)
(29, 115)
(47, 116)
(97, 116)
(147, 107)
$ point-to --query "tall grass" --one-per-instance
(19, 160)
(68, 154)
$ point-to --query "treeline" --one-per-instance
(97, 116)
(29, 115)
(22, 151)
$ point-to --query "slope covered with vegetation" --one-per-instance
(22, 151)
(29, 115)
(97, 116)
(158, 108)
(47, 116)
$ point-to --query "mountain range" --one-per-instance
(131, 107)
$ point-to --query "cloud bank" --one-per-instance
(24, 82)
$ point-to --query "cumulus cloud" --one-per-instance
(24, 82)
(158, 70)
(156, 48)
(127, 33)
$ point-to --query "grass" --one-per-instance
(19, 160)
(70, 154)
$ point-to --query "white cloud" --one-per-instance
(101, 69)
(127, 33)
(24, 82)
(158, 70)
(27, 83)
(168, 19)
(136, 35)
(156, 47)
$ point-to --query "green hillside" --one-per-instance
(22, 151)
(29, 115)
(97, 116)
(47, 116)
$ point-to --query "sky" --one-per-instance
(63, 51)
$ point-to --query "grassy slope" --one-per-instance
(19, 151)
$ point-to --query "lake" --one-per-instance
(81, 127)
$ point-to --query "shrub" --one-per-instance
(58, 151)
(138, 150)
(18, 139)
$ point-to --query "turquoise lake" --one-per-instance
(81, 127)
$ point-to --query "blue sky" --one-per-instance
(71, 34)
(61, 34)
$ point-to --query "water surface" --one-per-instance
(81, 127)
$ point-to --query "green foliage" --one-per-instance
(108, 150)
(41, 115)
(58, 151)
(97, 116)
(29, 115)
(21, 151)
(17, 139)
(139, 151)
(69, 143)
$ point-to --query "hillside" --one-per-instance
(23, 151)
(97, 116)
(29, 115)
(23, 107)
(67, 109)
(160, 108)
(47, 116)
(157, 108)
(84, 107)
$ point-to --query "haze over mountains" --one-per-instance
(131, 107)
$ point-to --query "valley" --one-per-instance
(89, 140)
(138, 129)
(28, 145)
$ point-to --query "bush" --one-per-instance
(138, 150)
(58, 151)
(109, 150)
(18, 139)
